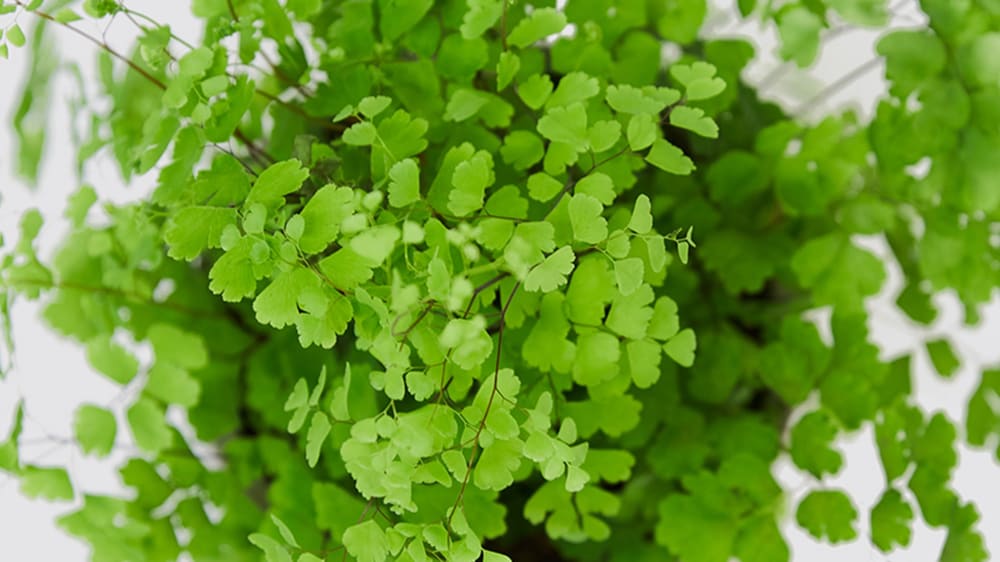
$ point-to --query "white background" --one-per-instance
(53, 378)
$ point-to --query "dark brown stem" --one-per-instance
(475, 294)
(486, 411)
(503, 24)
(255, 151)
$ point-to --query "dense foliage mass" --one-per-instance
(426, 275)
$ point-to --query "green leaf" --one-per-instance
(964, 544)
(827, 514)
(404, 183)
(468, 341)
(603, 135)
(943, 356)
(576, 478)
(490, 556)
(609, 465)
(862, 12)
(891, 519)
(522, 149)
(573, 87)
(977, 60)
(375, 244)
(641, 221)
(735, 177)
(171, 344)
(112, 360)
(149, 427)
(699, 80)
(597, 355)
(319, 429)
(838, 272)
(95, 430)
(566, 125)
(66, 15)
(669, 158)
(628, 274)
(370, 106)
(599, 186)
(585, 217)
(665, 322)
(681, 347)
(507, 67)
(274, 551)
(812, 444)
(172, 384)
(694, 532)
(360, 134)
(982, 418)
(536, 26)
(366, 542)
(911, 58)
(470, 180)
(535, 90)
(792, 365)
(799, 30)
(464, 104)
(79, 205)
(15, 36)
(495, 467)
(284, 531)
(195, 62)
(681, 20)
(543, 187)
(193, 229)
(629, 99)
(694, 120)
(630, 314)
(323, 215)
(642, 131)
(761, 541)
(275, 182)
(277, 305)
(46, 483)
(346, 269)
(551, 273)
(482, 15)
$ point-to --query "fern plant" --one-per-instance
(426, 275)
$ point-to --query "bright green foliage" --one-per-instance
(983, 418)
(551, 273)
(95, 430)
(799, 28)
(943, 357)
(812, 439)
(539, 24)
(890, 521)
(46, 483)
(669, 158)
(694, 120)
(827, 514)
(112, 360)
(695, 532)
(837, 271)
(425, 279)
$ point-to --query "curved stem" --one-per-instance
(256, 152)
(486, 411)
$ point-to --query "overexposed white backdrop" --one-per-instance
(53, 378)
